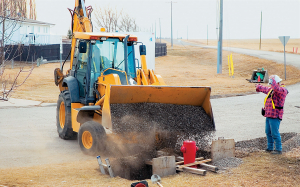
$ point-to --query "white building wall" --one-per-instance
(30, 33)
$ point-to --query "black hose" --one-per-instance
(62, 67)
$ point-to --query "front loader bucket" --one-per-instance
(135, 100)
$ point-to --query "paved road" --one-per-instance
(291, 59)
(240, 118)
(28, 134)
(28, 137)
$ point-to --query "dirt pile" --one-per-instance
(289, 141)
(171, 124)
(146, 116)
(153, 126)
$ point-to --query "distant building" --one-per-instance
(28, 31)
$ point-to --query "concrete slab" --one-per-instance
(19, 103)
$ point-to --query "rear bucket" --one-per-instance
(141, 105)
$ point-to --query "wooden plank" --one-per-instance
(222, 148)
(194, 171)
(209, 167)
(182, 162)
(148, 162)
(179, 158)
(193, 164)
(164, 166)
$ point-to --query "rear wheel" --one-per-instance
(91, 137)
(63, 116)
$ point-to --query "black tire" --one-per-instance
(63, 116)
(95, 144)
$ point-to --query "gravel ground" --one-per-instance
(171, 124)
(289, 141)
(227, 163)
(146, 116)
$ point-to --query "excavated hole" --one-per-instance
(148, 127)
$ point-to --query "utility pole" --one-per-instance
(260, 30)
(207, 34)
(3, 31)
(159, 31)
(187, 32)
(219, 58)
(172, 24)
(155, 31)
(171, 28)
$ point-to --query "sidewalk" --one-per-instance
(23, 103)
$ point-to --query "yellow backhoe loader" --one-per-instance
(104, 73)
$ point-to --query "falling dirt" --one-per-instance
(148, 127)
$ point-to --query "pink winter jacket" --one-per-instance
(278, 95)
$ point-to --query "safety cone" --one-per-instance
(258, 79)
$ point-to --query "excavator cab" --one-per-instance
(93, 58)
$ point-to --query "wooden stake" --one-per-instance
(193, 164)
(197, 159)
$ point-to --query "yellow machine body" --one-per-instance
(110, 85)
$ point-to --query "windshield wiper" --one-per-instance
(123, 59)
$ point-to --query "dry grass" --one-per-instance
(40, 85)
(184, 66)
(194, 66)
(266, 44)
(294, 153)
(259, 169)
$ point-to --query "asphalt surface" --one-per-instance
(28, 135)
(291, 59)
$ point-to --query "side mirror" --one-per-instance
(82, 47)
(142, 50)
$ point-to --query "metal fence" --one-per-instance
(52, 52)
(160, 49)
(32, 52)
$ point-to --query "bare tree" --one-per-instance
(127, 23)
(12, 13)
(113, 20)
(107, 17)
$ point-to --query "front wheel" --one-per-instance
(91, 138)
(63, 116)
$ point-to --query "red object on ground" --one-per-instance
(189, 150)
(258, 79)
(140, 185)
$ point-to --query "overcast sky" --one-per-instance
(241, 17)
